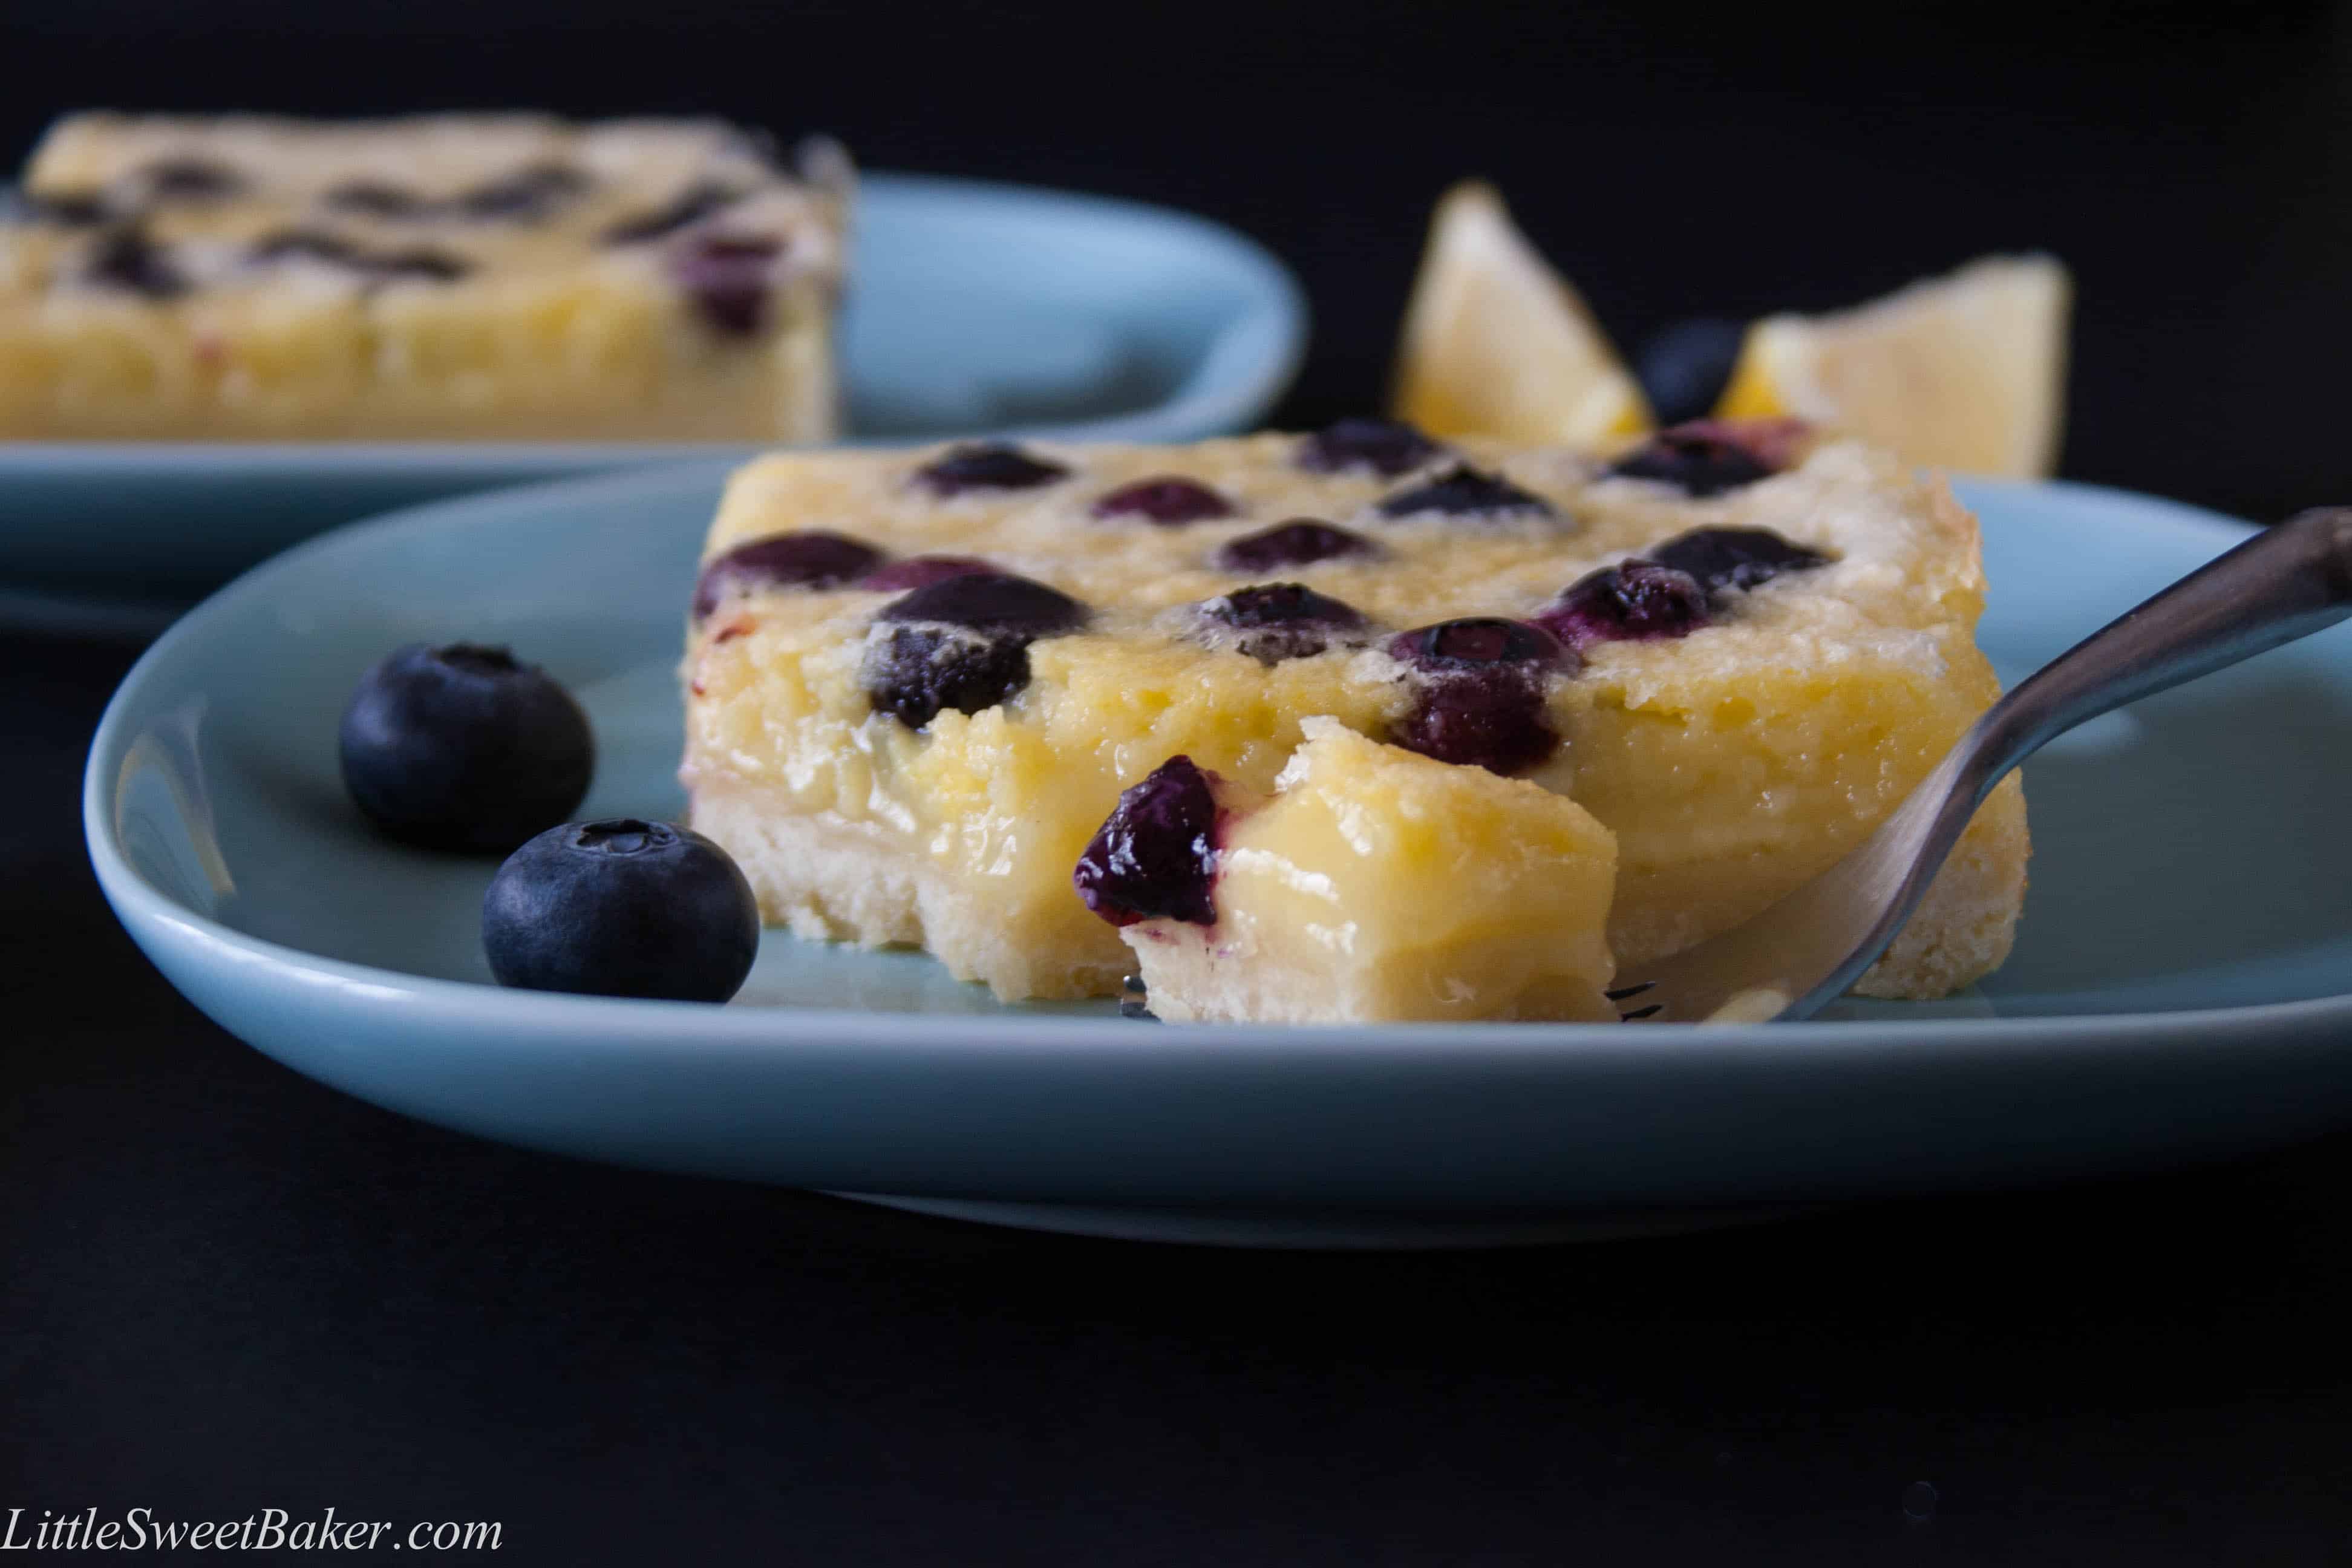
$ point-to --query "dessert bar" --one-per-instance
(453, 278)
(1347, 725)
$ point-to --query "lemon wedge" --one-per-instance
(1966, 372)
(1497, 344)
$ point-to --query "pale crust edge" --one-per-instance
(830, 879)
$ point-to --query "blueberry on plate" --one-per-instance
(622, 908)
(464, 748)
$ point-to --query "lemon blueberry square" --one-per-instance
(455, 277)
(1352, 725)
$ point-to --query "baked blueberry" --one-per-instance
(376, 198)
(1703, 457)
(127, 259)
(1640, 601)
(1301, 541)
(1478, 696)
(1463, 491)
(1724, 559)
(331, 249)
(1383, 447)
(1274, 621)
(418, 262)
(189, 179)
(1156, 856)
(305, 245)
(690, 206)
(65, 209)
(986, 465)
(989, 602)
(962, 642)
(523, 197)
(922, 571)
(1684, 367)
(1476, 642)
(912, 672)
(1169, 502)
(464, 748)
(728, 279)
(622, 908)
(806, 558)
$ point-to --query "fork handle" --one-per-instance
(2286, 583)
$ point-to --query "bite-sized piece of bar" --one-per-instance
(1375, 885)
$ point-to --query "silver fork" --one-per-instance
(1803, 951)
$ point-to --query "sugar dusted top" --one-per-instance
(1879, 571)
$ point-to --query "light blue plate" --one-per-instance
(2179, 989)
(975, 307)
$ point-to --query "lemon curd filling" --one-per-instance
(1471, 744)
(458, 277)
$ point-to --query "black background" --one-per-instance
(224, 1288)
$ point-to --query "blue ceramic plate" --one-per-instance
(2180, 986)
(975, 307)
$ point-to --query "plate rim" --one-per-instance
(1267, 341)
(154, 916)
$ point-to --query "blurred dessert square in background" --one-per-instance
(463, 277)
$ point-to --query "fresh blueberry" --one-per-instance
(730, 279)
(1724, 559)
(962, 642)
(922, 571)
(806, 558)
(1301, 541)
(1684, 367)
(1637, 601)
(1479, 692)
(523, 197)
(1169, 502)
(376, 198)
(1156, 855)
(464, 748)
(1384, 447)
(622, 908)
(690, 206)
(986, 465)
(127, 259)
(1702, 458)
(190, 179)
(1463, 490)
(1274, 621)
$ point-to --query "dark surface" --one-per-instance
(224, 1288)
